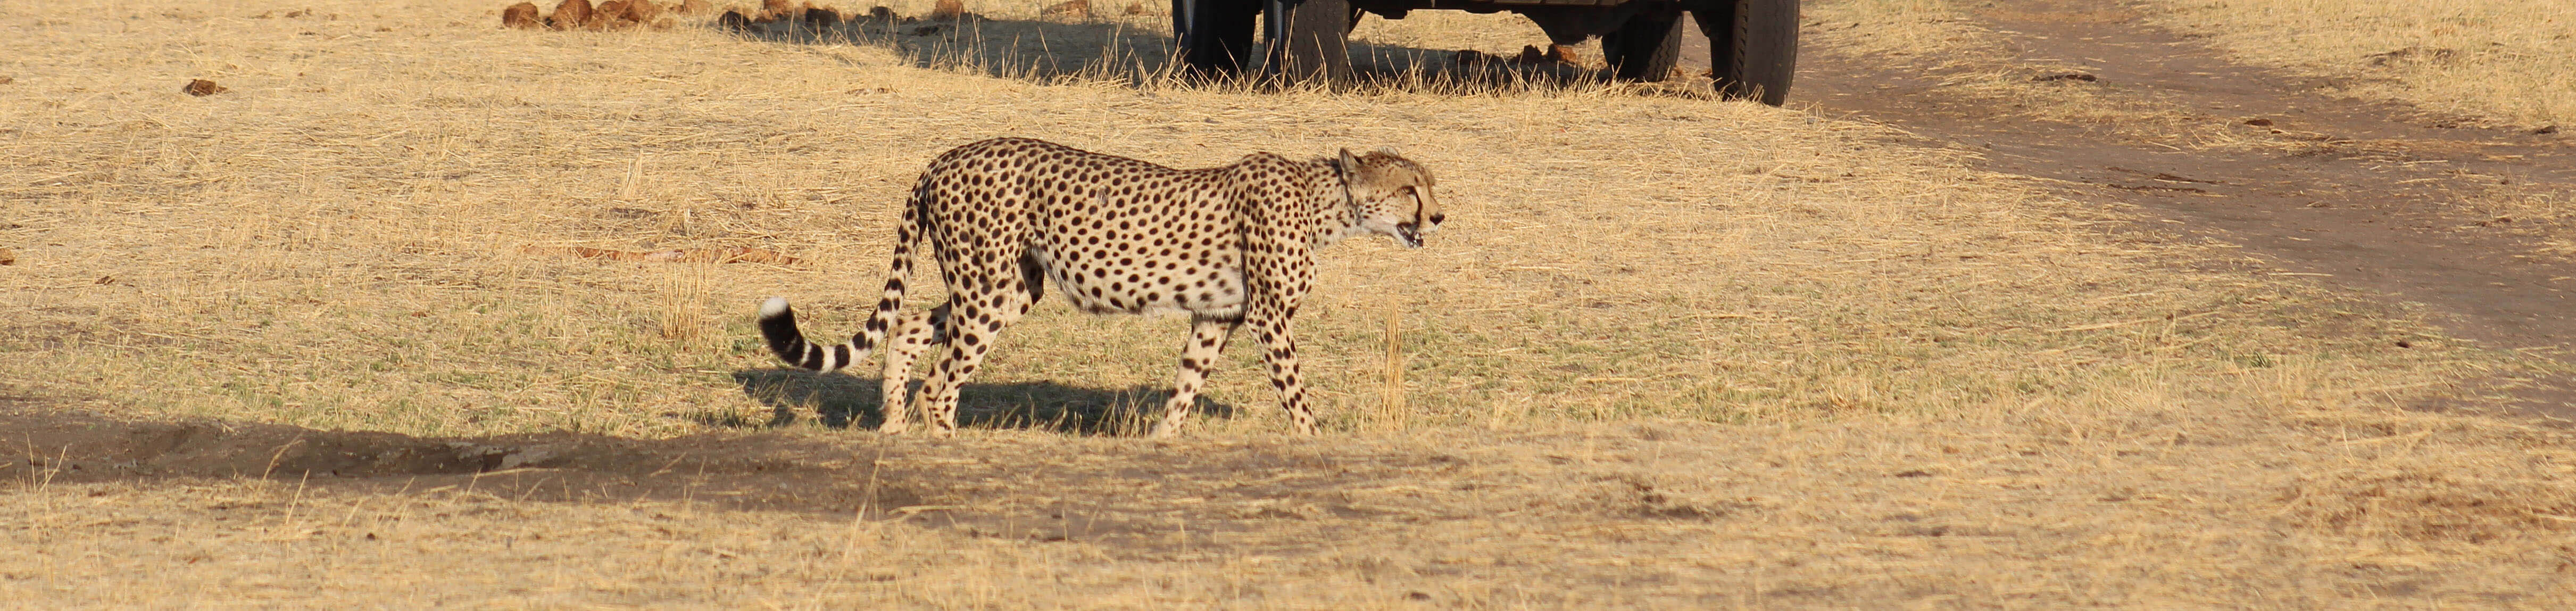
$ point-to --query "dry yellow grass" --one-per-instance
(1668, 352)
(2505, 61)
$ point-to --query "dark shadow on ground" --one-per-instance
(841, 401)
(778, 471)
(1139, 54)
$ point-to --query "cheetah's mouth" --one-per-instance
(1409, 234)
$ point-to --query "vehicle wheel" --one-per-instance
(1753, 47)
(1215, 36)
(1645, 48)
(1307, 39)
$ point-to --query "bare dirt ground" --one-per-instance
(2366, 194)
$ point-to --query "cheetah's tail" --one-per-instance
(778, 325)
(778, 322)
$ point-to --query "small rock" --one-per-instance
(2259, 122)
(570, 14)
(2542, 130)
(642, 11)
(1135, 8)
(1563, 54)
(609, 15)
(522, 16)
(821, 17)
(202, 88)
(8, 257)
(2070, 76)
(779, 10)
(948, 10)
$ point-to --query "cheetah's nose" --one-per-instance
(1436, 217)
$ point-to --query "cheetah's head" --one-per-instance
(1391, 196)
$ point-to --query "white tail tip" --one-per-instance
(773, 307)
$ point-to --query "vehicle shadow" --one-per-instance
(841, 401)
(1138, 53)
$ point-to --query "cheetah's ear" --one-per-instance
(1350, 165)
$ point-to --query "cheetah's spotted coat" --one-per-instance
(1231, 245)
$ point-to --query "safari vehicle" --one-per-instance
(1753, 44)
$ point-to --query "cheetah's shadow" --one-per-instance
(841, 401)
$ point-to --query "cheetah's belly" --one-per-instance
(1123, 284)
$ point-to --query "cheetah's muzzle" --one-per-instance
(1410, 234)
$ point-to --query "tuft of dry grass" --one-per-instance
(2502, 61)
(1667, 352)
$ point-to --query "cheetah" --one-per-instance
(1231, 245)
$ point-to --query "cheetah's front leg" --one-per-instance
(1280, 351)
(1207, 342)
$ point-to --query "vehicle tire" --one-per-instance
(1214, 36)
(1645, 48)
(1307, 40)
(1753, 47)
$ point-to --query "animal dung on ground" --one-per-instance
(202, 88)
(676, 255)
(522, 16)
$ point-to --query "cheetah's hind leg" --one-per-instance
(912, 333)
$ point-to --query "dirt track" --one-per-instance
(2367, 207)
